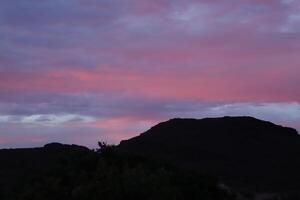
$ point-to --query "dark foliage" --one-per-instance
(19, 166)
(75, 173)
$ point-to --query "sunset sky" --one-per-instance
(79, 71)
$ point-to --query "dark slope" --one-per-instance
(243, 151)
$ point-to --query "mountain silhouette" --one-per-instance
(211, 159)
(244, 152)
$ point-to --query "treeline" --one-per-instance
(107, 175)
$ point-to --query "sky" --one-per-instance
(80, 71)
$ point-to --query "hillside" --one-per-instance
(244, 152)
(177, 159)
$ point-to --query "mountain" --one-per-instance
(246, 153)
(177, 159)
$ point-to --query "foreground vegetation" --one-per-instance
(105, 174)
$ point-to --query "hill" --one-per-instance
(244, 152)
(175, 159)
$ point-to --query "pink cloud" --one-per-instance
(119, 128)
(4, 140)
(215, 83)
(55, 56)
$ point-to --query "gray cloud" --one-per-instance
(254, 44)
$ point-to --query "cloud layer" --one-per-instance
(79, 71)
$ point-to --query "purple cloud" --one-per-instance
(111, 69)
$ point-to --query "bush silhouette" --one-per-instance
(108, 175)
